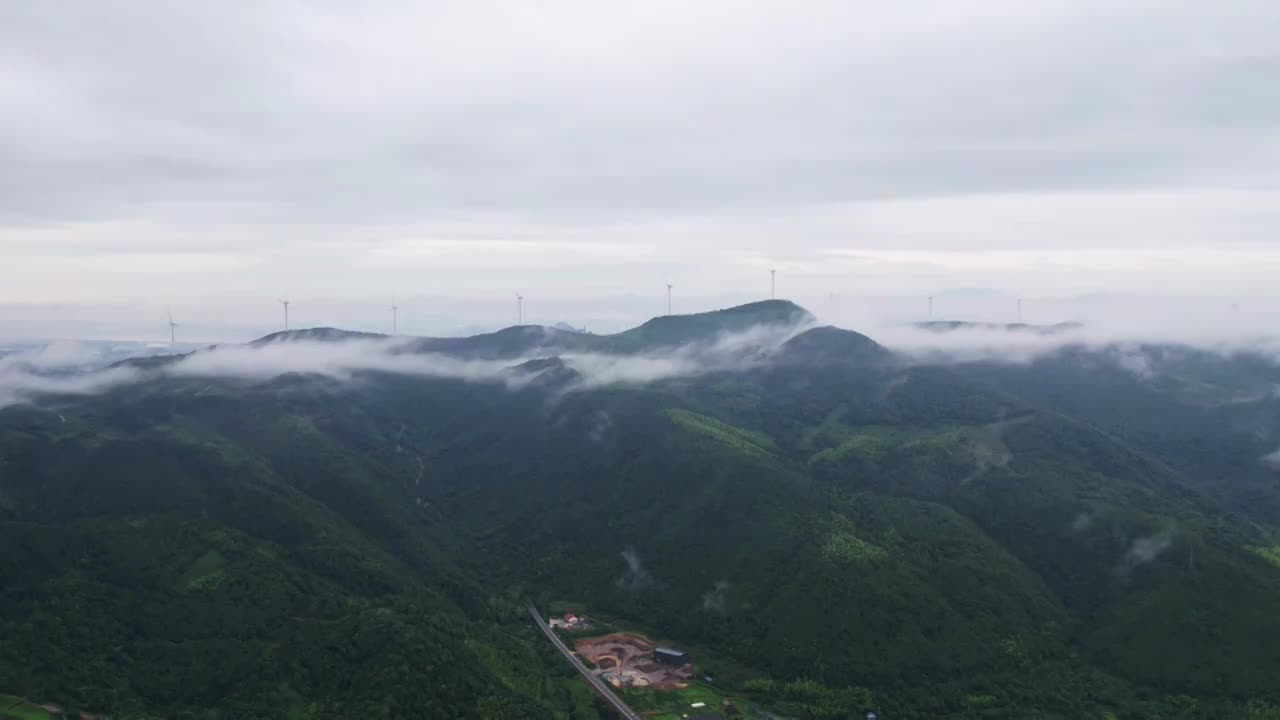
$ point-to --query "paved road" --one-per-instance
(599, 685)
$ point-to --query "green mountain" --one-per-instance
(830, 527)
(1210, 415)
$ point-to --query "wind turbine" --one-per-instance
(395, 316)
(172, 336)
(519, 309)
(285, 303)
(1019, 309)
(930, 307)
(669, 286)
(773, 283)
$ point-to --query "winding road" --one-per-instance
(599, 685)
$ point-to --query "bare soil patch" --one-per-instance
(626, 660)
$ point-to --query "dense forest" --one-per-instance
(835, 527)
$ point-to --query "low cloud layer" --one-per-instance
(339, 360)
(730, 351)
(21, 386)
(986, 326)
(59, 368)
(25, 377)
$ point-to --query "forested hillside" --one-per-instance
(154, 566)
(836, 527)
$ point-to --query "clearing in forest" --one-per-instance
(627, 660)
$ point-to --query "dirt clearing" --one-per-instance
(626, 660)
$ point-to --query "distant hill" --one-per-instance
(941, 326)
(672, 330)
(319, 334)
(516, 341)
(829, 344)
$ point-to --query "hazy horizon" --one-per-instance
(212, 159)
(1188, 320)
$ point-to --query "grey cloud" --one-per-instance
(1118, 328)
(307, 111)
(636, 576)
(1145, 549)
(59, 355)
(1272, 461)
(335, 151)
(601, 422)
(55, 370)
(1082, 522)
(1136, 362)
(339, 361)
(18, 387)
(713, 600)
(989, 449)
(21, 381)
(728, 351)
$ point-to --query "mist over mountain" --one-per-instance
(344, 344)
(834, 524)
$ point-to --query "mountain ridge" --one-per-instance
(657, 332)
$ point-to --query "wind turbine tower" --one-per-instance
(669, 286)
(173, 338)
(930, 307)
(395, 316)
(285, 303)
(1019, 309)
(519, 309)
(773, 283)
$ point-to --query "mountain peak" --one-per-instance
(831, 345)
(669, 330)
(548, 372)
(318, 334)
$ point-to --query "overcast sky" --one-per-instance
(214, 157)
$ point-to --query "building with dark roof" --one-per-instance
(670, 656)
